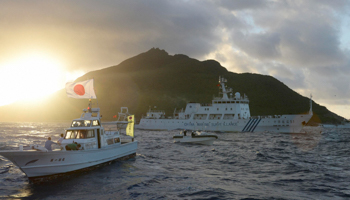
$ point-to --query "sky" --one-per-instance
(304, 44)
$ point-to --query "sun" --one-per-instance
(30, 76)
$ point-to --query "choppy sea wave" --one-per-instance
(264, 165)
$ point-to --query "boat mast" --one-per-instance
(222, 81)
(310, 112)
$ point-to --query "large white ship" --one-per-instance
(225, 114)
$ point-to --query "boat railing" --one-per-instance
(156, 111)
(266, 117)
(232, 99)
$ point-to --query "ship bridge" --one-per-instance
(225, 107)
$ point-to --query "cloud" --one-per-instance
(242, 4)
(262, 45)
(298, 42)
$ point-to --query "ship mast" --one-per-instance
(310, 112)
(222, 81)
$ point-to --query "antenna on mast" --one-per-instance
(310, 112)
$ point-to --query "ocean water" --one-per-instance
(264, 165)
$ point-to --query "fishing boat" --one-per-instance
(196, 137)
(99, 145)
(227, 113)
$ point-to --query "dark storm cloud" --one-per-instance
(113, 30)
(241, 4)
(295, 33)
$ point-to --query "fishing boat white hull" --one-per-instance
(198, 140)
(196, 137)
(283, 124)
(38, 164)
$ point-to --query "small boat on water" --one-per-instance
(196, 137)
(99, 145)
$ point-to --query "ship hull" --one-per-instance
(189, 139)
(40, 164)
(283, 124)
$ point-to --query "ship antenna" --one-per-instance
(310, 112)
(90, 105)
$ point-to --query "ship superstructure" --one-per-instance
(228, 113)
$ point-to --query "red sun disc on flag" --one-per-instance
(79, 89)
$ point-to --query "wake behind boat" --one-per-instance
(225, 114)
(98, 145)
(196, 137)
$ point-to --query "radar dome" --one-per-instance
(237, 95)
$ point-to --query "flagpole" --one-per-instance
(93, 87)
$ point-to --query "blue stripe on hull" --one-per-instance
(258, 121)
(251, 125)
(247, 125)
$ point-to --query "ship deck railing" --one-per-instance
(232, 98)
(266, 116)
(156, 111)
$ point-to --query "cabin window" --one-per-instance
(95, 123)
(81, 123)
(79, 134)
(87, 123)
(90, 134)
(116, 140)
(110, 141)
(69, 135)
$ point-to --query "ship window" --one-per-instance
(90, 134)
(226, 108)
(78, 123)
(95, 123)
(69, 135)
(218, 108)
(116, 140)
(79, 134)
(110, 141)
(87, 123)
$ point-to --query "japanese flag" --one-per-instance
(81, 90)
